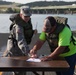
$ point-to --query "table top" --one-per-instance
(20, 64)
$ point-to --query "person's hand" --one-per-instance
(33, 53)
(45, 58)
(34, 56)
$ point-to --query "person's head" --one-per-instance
(25, 13)
(49, 24)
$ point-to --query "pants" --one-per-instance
(71, 61)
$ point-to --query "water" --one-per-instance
(37, 21)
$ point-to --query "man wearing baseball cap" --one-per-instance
(21, 32)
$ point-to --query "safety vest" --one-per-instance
(53, 38)
(27, 27)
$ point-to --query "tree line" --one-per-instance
(32, 4)
(40, 3)
(48, 3)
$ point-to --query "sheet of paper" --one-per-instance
(33, 60)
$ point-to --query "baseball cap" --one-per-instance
(25, 10)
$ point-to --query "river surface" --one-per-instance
(37, 21)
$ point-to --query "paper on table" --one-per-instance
(33, 60)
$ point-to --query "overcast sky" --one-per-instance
(28, 1)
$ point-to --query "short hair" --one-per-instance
(52, 20)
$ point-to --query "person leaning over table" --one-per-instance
(21, 32)
(61, 45)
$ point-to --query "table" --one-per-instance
(20, 64)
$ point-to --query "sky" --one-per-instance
(28, 1)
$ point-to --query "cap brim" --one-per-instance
(26, 14)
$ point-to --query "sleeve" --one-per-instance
(42, 36)
(21, 40)
(64, 37)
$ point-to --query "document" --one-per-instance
(33, 60)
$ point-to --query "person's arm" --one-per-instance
(59, 50)
(21, 41)
(55, 54)
(36, 47)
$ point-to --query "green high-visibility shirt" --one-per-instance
(64, 40)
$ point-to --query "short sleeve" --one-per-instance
(42, 36)
(65, 37)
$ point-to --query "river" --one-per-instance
(37, 21)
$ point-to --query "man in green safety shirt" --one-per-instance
(61, 42)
